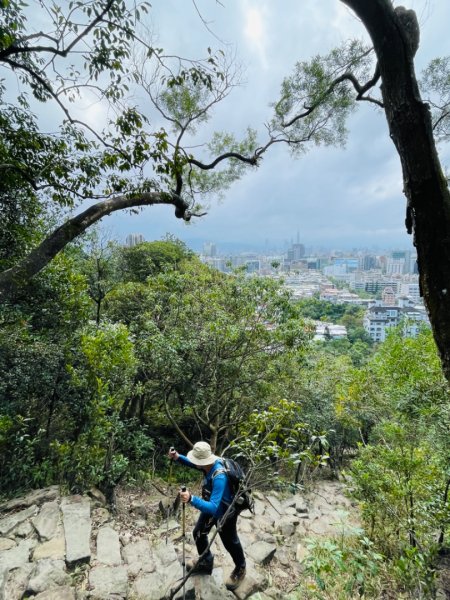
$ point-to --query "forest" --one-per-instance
(111, 354)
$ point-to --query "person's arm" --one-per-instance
(186, 462)
(176, 457)
(211, 506)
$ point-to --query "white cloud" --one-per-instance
(255, 30)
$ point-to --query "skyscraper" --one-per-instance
(133, 239)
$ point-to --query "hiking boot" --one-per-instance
(205, 568)
(235, 578)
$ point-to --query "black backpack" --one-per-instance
(238, 485)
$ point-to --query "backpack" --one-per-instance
(237, 481)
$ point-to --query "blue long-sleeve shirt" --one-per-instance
(219, 486)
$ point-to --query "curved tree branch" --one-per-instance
(361, 89)
(33, 263)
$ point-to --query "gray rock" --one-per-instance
(58, 593)
(54, 549)
(286, 527)
(16, 582)
(261, 552)
(157, 585)
(207, 588)
(253, 583)
(165, 554)
(260, 506)
(46, 522)
(301, 506)
(47, 574)
(77, 528)
(97, 495)
(290, 510)
(108, 581)
(6, 544)
(108, 546)
(8, 523)
(139, 508)
(275, 503)
(17, 556)
(100, 515)
(138, 557)
(23, 530)
(171, 525)
(37, 497)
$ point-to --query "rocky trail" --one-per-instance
(55, 547)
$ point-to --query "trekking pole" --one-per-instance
(183, 489)
(172, 449)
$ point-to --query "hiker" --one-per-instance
(216, 497)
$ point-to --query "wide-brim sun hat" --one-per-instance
(201, 454)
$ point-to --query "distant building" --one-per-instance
(369, 262)
(209, 249)
(133, 239)
(379, 319)
(388, 296)
(329, 331)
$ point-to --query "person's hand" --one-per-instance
(173, 454)
(185, 496)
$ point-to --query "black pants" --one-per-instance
(228, 535)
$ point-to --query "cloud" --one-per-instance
(255, 30)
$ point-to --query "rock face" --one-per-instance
(54, 548)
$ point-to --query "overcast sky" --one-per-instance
(332, 197)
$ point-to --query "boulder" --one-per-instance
(47, 574)
(15, 582)
(107, 582)
(138, 556)
(261, 552)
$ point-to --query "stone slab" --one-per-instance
(138, 556)
(108, 546)
(76, 512)
(261, 552)
(46, 522)
(8, 523)
(57, 593)
(107, 582)
(157, 585)
(54, 549)
(36, 497)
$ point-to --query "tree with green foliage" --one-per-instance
(151, 258)
(208, 346)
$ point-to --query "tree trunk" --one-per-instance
(426, 189)
(13, 278)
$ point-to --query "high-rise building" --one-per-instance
(209, 249)
(133, 239)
